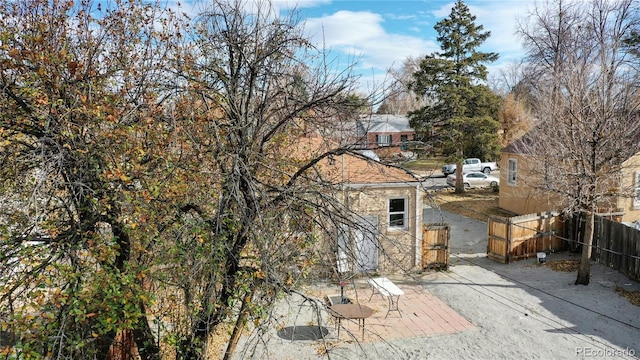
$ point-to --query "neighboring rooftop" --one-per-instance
(385, 123)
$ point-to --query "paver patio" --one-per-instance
(423, 314)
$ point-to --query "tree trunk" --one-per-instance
(459, 180)
(209, 317)
(585, 261)
(237, 331)
(104, 343)
(145, 341)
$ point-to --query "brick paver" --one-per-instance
(423, 314)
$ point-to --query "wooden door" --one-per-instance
(435, 246)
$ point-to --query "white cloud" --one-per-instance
(362, 34)
(501, 19)
(298, 4)
(444, 10)
(346, 27)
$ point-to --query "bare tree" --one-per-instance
(515, 118)
(111, 151)
(586, 104)
(400, 99)
(154, 176)
(254, 98)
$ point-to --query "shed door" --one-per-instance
(366, 243)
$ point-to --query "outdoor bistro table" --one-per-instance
(350, 312)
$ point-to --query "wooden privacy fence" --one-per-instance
(523, 236)
(435, 246)
(617, 246)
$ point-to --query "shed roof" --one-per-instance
(349, 168)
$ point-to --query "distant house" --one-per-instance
(386, 134)
(388, 203)
(519, 195)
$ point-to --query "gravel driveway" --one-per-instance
(522, 310)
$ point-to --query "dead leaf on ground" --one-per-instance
(632, 296)
(563, 265)
(477, 204)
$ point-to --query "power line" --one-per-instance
(550, 294)
(517, 306)
(514, 305)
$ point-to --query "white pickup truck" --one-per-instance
(471, 164)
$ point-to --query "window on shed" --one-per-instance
(398, 213)
(512, 172)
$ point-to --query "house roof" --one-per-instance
(520, 146)
(524, 144)
(360, 171)
(385, 123)
(348, 168)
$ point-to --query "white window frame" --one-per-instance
(636, 190)
(404, 213)
(384, 140)
(512, 172)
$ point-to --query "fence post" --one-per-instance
(509, 241)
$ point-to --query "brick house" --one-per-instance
(386, 134)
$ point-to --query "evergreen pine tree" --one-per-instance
(461, 112)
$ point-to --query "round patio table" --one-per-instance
(350, 312)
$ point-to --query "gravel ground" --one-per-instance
(520, 310)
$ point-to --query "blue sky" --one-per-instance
(380, 34)
(383, 33)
